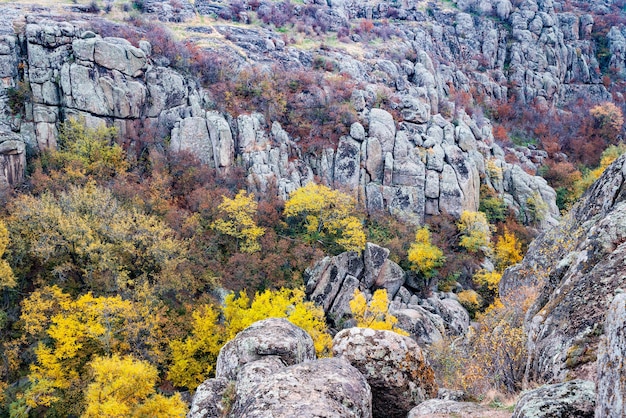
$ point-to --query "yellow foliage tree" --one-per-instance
(239, 313)
(238, 221)
(193, 359)
(488, 279)
(507, 251)
(609, 155)
(475, 231)
(327, 214)
(470, 300)
(423, 255)
(376, 314)
(125, 387)
(75, 331)
(7, 278)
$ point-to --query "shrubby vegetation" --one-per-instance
(574, 140)
(115, 254)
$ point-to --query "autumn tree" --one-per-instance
(238, 221)
(327, 216)
(475, 232)
(609, 155)
(535, 209)
(493, 357)
(609, 121)
(125, 387)
(194, 358)
(374, 314)
(507, 250)
(86, 239)
(85, 153)
(72, 332)
(423, 255)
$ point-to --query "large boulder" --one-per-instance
(321, 388)
(611, 397)
(270, 337)
(394, 366)
(426, 327)
(575, 398)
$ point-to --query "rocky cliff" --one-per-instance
(421, 165)
(577, 267)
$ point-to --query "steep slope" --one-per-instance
(577, 268)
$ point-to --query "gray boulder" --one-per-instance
(321, 388)
(425, 326)
(251, 374)
(394, 366)
(374, 258)
(326, 278)
(270, 337)
(383, 127)
(191, 134)
(575, 398)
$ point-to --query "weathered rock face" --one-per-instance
(575, 398)
(270, 337)
(326, 387)
(576, 268)
(421, 167)
(12, 157)
(611, 377)
(394, 366)
(331, 283)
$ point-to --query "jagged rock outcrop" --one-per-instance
(394, 366)
(331, 283)
(611, 377)
(576, 268)
(420, 167)
(575, 398)
(271, 337)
